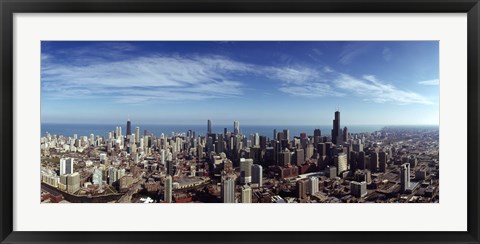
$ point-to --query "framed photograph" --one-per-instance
(252, 122)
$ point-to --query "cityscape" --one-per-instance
(239, 122)
(395, 164)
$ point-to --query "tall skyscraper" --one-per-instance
(345, 134)
(336, 128)
(246, 170)
(341, 163)
(228, 190)
(302, 186)
(236, 127)
(382, 161)
(97, 177)
(312, 185)
(129, 128)
(137, 135)
(373, 162)
(168, 189)
(257, 174)
(286, 134)
(66, 166)
(209, 126)
(404, 176)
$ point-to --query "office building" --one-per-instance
(209, 126)
(73, 182)
(302, 189)
(66, 166)
(404, 176)
(246, 194)
(358, 189)
(341, 163)
(246, 170)
(257, 174)
(336, 134)
(168, 189)
(373, 162)
(236, 127)
(129, 129)
(228, 190)
(97, 177)
(312, 185)
(382, 161)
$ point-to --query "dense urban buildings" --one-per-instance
(394, 164)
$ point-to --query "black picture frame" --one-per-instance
(9, 7)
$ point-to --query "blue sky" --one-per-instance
(264, 83)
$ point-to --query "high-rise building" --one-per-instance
(341, 163)
(246, 194)
(66, 166)
(246, 170)
(302, 189)
(169, 168)
(382, 161)
(73, 182)
(404, 176)
(168, 189)
(358, 189)
(373, 162)
(312, 185)
(209, 126)
(236, 127)
(129, 129)
(228, 190)
(137, 135)
(257, 174)
(321, 149)
(361, 160)
(336, 128)
(299, 157)
(286, 134)
(345, 134)
(97, 178)
(353, 161)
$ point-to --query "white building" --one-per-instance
(66, 166)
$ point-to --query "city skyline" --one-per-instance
(256, 83)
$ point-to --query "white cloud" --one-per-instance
(434, 82)
(145, 79)
(352, 51)
(311, 90)
(370, 89)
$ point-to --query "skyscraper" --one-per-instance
(312, 185)
(246, 194)
(373, 162)
(66, 166)
(345, 134)
(286, 134)
(209, 126)
(168, 189)
(129, 128)
(257, 174)
(336, 128)
(236, 127)
(404, 176)
(246, 170)
(228, 190)
(137, 135)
